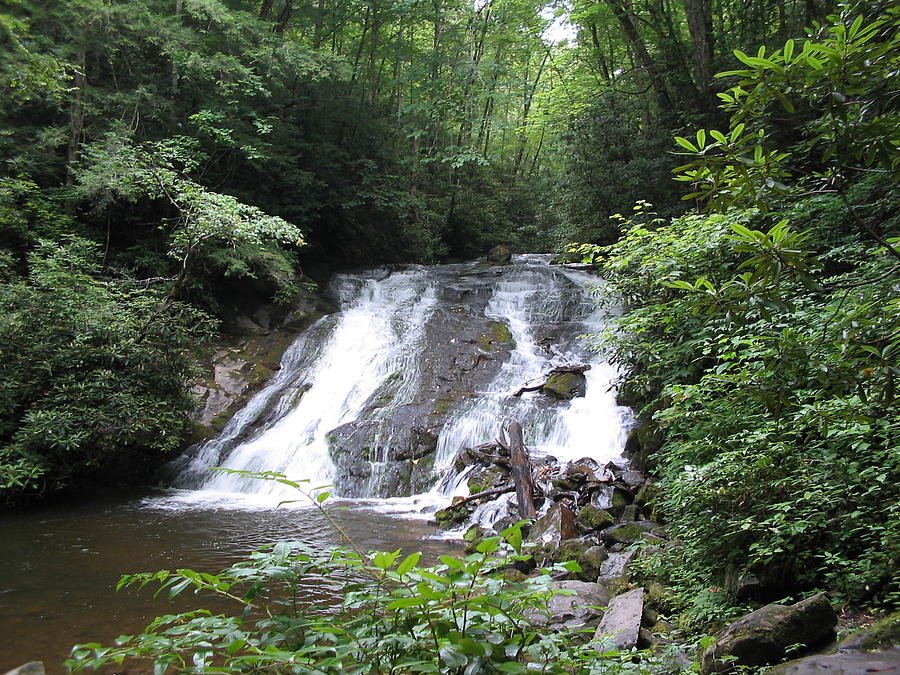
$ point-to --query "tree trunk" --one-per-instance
(76, 113)
(174, 83)
(626, 18)
(521, 471)
(699, 16)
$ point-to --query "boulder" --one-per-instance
(499, 255)
(554, 527)
(591, 562)
(588, 555)
(565, 386)
(763, 637)
(486, 477)
(621, 622)
(577, 605)
(628, 532)
(633, 479)
(591, 517)
(882, 633)
(851, 663)
(616, 565)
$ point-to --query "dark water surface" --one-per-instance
(59, 566)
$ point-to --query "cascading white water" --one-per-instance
(589, 426)
(376, 336)
(340, 372)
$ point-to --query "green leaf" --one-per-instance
(686, 144)
(402, 603)
(408, 563)
(452, 657)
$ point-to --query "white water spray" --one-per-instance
(331, 375)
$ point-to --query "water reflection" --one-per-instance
(59, 567)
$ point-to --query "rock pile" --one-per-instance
(589, 512)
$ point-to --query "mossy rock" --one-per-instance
(627, 533)
(499, 255)
(662, 599)
(594, 518)
(452, 515)
(486, 478)
(497, 336)
(881, 634)
(621, 498)
(565, 386)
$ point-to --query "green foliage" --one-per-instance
(93, 372)
(838, 89)
(458, 616)
(775, 388)
(612, 162)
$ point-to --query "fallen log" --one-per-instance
(493, 492)
(522, 390)
(578, 370)
(521, 471)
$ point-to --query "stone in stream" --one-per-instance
(763, 637)
(621, 622)
(551, 529)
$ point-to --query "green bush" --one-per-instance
(775, 387)
(93, 371)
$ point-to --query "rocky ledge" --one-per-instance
(244, 356)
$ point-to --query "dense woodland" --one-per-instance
(731, 167)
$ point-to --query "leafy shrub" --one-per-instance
(458, 616)
(93, 371)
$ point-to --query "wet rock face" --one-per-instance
(551, 529)
(247, 354)
(405, 415)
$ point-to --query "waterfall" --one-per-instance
(418, 364)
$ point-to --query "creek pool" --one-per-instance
(59, 565)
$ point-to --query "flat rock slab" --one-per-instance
(579, 605)
(31, 668)
(616, 565)
(851, 663)
(622, 620)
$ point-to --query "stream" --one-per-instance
(375, 402)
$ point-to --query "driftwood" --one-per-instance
(521, 471)
(493, 492)
(522, 390)
(577, 370)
